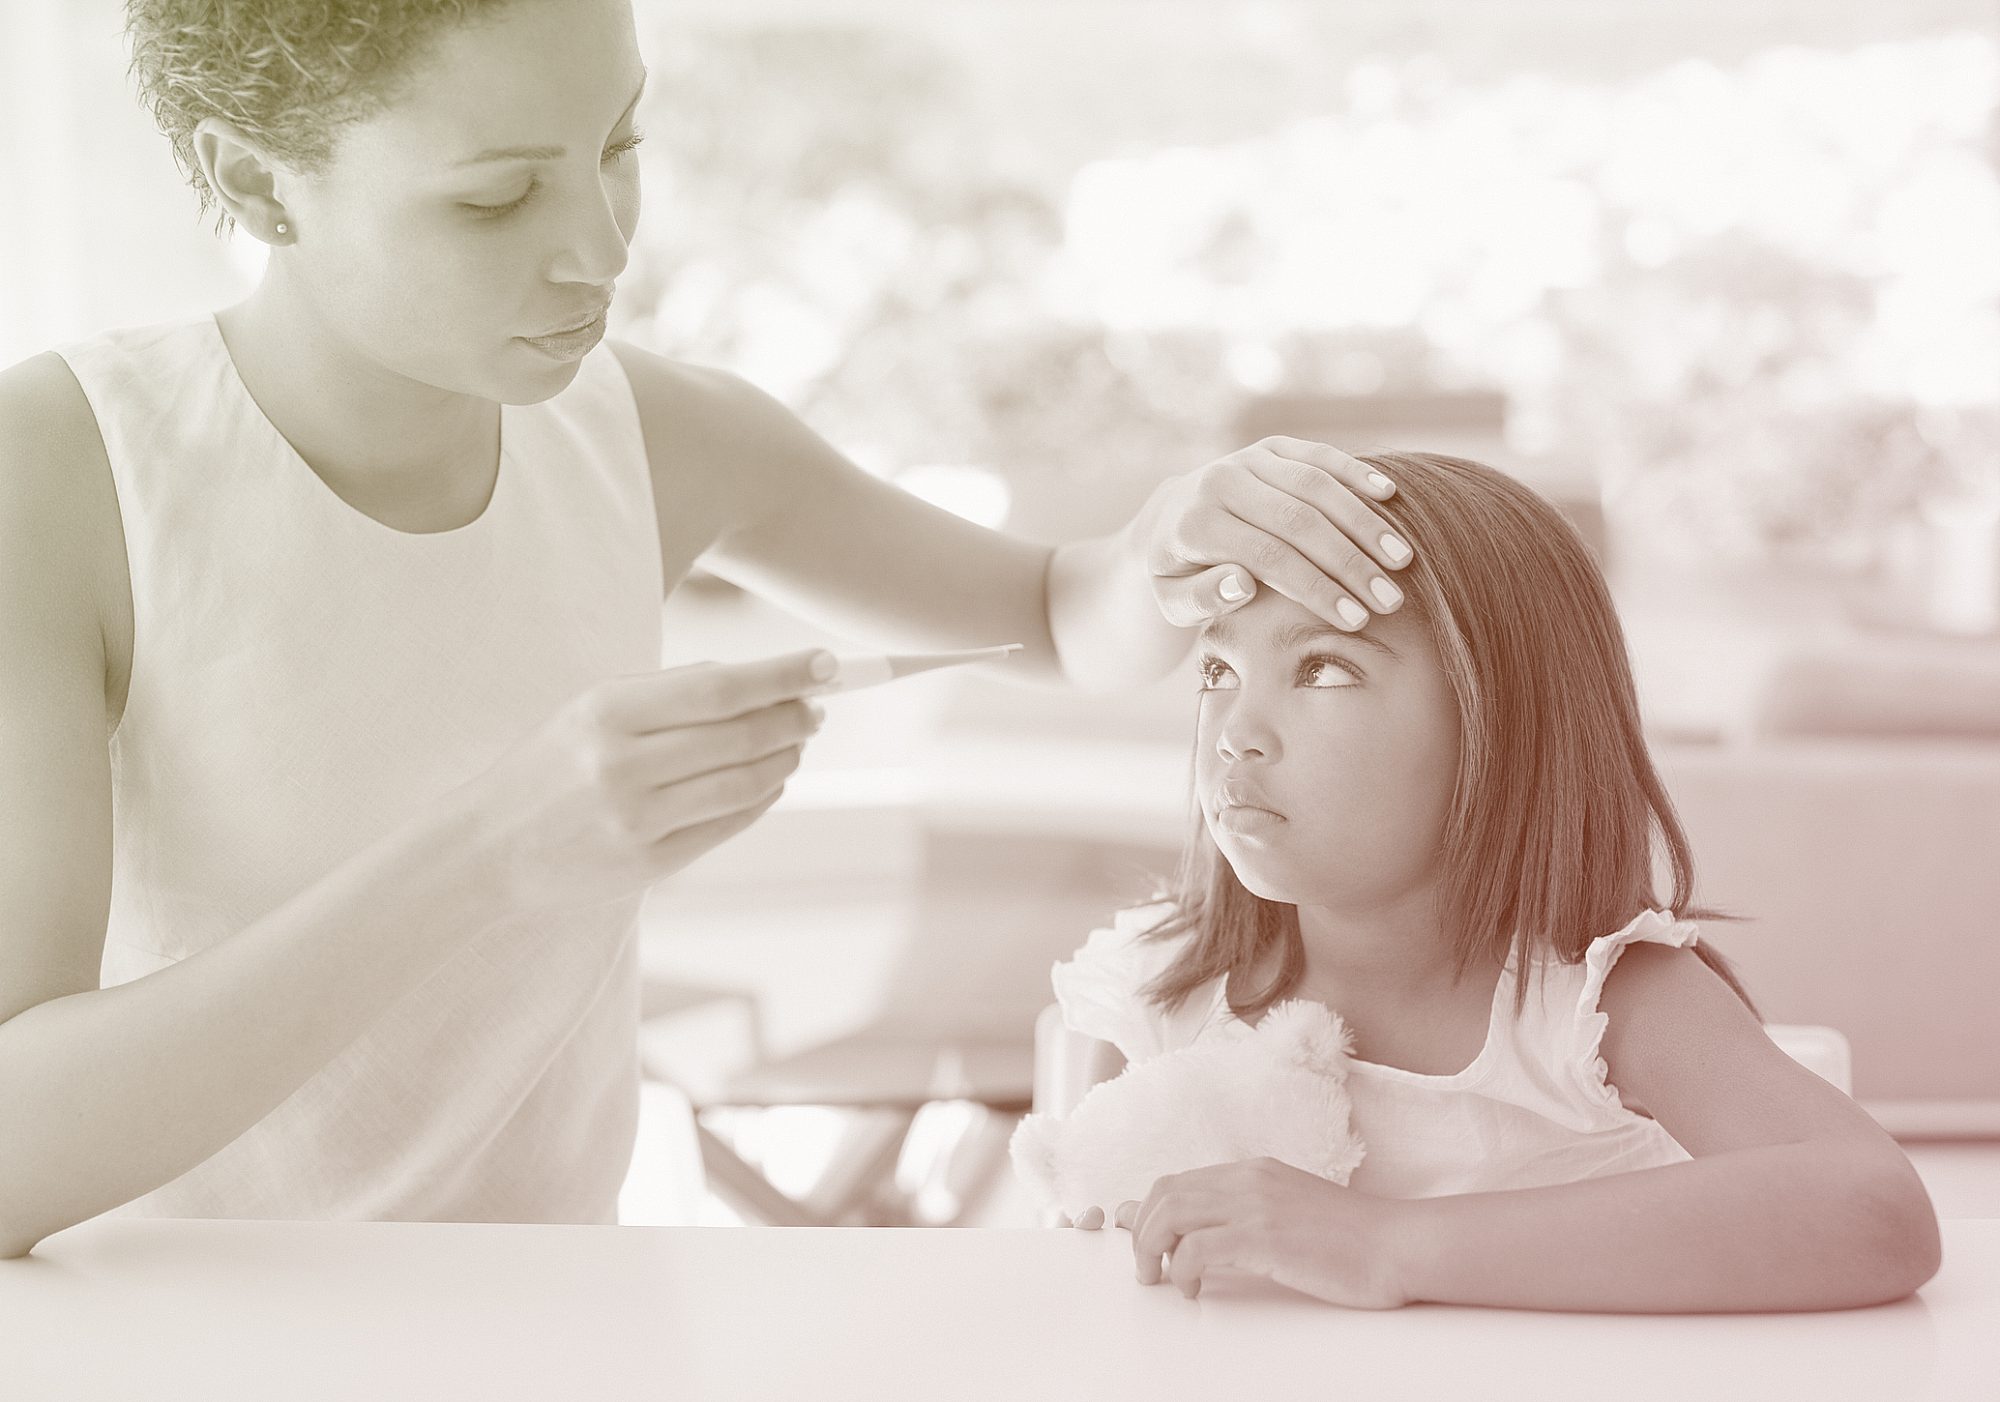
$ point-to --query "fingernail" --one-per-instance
(1232, 588)
(823, 666)
(1381, 483)
(1395, 549)
(817, 712)
(1388, 593)
(1351, 613)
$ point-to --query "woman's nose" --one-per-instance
(595, 247)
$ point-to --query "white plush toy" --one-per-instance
(1278, 1092)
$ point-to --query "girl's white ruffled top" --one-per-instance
(1532, 1109)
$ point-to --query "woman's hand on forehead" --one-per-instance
(1292, 514)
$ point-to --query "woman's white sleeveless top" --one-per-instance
(306, 679)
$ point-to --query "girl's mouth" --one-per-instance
(1245, 821)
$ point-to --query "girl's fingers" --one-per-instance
(1091, 1220)
(1188, 601)
(1127, 1214)
(1195, 1254)
(1165, 1218)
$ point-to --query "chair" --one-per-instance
(953, 1026)
(1062, 1058)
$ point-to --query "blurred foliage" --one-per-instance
(850, 217)
(1715, 393)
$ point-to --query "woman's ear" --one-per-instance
(243, 179)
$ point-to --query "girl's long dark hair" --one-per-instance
(1550, 842)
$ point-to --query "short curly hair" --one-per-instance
(289, 73)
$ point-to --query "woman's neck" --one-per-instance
(393, 447)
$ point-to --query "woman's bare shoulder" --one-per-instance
(717, 447)
(710, 428)
(56, 507)
(59, 521)
(704, 400)
(44, 412)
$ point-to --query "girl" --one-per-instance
(361, 578)
(1442, 828)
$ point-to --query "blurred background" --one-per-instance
(1720, 277)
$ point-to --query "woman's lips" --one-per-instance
(570, 345)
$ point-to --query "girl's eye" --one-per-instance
(1326, 673)
(1213, 674)
(611, 153)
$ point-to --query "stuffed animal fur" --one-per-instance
(1278, 1092)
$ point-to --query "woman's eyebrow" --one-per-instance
(1221, 634)
(544, 153)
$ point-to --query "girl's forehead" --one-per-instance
(1272, 621)
(1271, 612)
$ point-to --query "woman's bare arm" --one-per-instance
(792, 519)
(106, 1094)
(780, 511)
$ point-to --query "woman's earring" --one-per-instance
(283, 227)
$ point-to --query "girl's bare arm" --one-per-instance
(1794, 1198)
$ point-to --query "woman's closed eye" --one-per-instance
(494, 211)
(1320, 671)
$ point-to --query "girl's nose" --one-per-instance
(1242, 736)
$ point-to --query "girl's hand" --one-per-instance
(639, 775)
(1275, 1221)
(1285, 511)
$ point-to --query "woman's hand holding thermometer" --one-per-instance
(859, 669)
(639, 775)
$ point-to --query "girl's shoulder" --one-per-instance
(1601, 954)
(1565, 1025)
(1101, 987)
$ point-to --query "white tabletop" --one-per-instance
(215, 1310)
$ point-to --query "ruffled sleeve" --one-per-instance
(1100, 986)
(1585, 1059)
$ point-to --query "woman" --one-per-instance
(361, 578)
